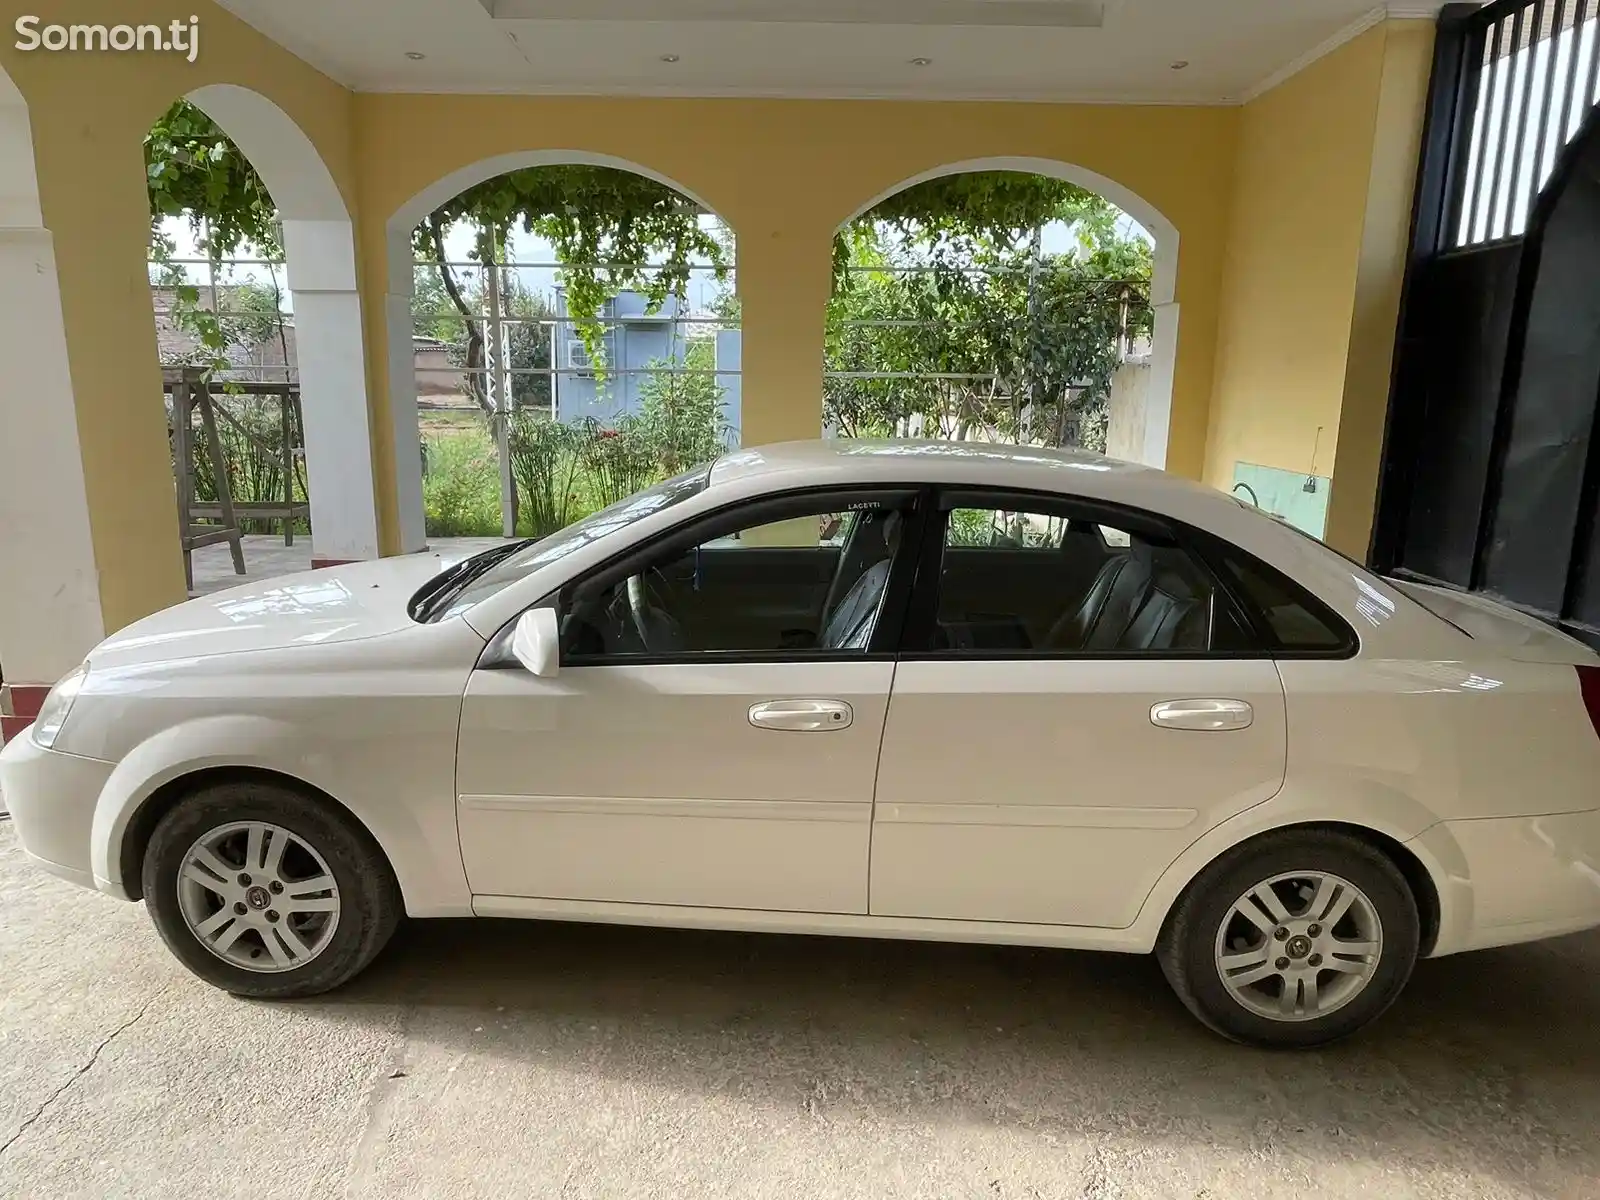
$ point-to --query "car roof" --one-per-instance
(978, 464)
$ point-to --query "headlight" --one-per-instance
(53, 712)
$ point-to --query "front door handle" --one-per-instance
(804, 716)
(1205, 715)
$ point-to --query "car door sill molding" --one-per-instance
(1075, 937)
(849, 812)
(1035, 816)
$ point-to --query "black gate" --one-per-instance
(1491, 463)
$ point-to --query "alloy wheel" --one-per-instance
(1299, 946)
(258, 896)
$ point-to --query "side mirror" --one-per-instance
(536, 642)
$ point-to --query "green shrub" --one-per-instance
(461, 490)
(619, 459)
(680, 413)
(547, 466)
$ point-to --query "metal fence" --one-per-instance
(1530, 75)
(260, 345)
(517, 347)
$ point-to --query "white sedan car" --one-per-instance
(944, 691)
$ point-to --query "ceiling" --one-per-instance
(1087, 50)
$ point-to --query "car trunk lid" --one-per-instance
(1508, 631)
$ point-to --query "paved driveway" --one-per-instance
(506, 1060)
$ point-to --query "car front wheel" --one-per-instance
(265, 892)
(1294, 939)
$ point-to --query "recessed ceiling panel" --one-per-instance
(1045, 14)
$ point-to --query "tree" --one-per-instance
(437, 314)
(681, 408)
(959, 213)
(611, 229)
(194, 171)
(984, 332)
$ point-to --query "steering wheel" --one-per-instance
(657, 631)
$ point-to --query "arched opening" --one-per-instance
(259, 333)
(1010, 299)
(50, 601)
(563, 330)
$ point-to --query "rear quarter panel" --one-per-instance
(1465, 740)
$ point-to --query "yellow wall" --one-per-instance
(90, 114)
(1316, 247)
(1385, 240)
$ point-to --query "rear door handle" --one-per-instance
(1204, 715)
(802, 716)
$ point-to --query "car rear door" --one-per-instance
(1049, 773)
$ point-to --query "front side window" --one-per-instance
(810, 579)
(1047, 581)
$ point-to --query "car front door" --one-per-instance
(711, 736)
(1059, 733)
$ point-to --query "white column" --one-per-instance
(403, 414)
(1158, 392)
(49, 589)
(333, 389)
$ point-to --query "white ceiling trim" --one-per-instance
(1106, 99)
(1290, 69)
(1383, 12)
(1034, 14)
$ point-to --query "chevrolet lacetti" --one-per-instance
(946, 691)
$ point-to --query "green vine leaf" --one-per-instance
(612, 230)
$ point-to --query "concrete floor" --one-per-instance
(265, 556)
(515, 1059)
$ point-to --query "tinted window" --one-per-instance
(1019, 581)
(1297, 620)
(811, 582)
(997, 528)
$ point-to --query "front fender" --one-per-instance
(255, 742)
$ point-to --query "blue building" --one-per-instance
(635, 340)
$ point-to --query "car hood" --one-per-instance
(335, 604)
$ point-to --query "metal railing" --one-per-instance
(498, 344)
(216, 300)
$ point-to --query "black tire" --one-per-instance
(1187, 946)
(370, 904)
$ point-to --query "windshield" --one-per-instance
(475, 580)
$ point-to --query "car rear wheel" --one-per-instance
(1294, 939)
(265, 892)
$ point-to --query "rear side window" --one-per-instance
(1297, 620)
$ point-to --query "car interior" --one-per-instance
(1063, 585)
(1008, 582)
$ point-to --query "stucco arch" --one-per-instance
(398, 230)
(50, 604)
(319, 247)
(1163, 272)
